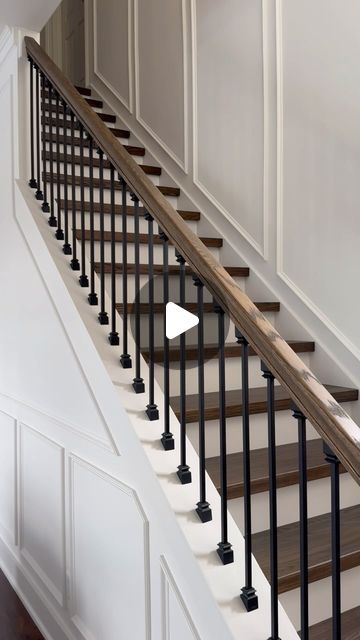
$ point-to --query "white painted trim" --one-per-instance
(280, 195)
(127, 104)
(183, 164)
(12, 535)
(262, 250)
(167, 582)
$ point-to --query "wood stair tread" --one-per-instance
(232, 350)
(287, 462)
(118, 133)
(53, 120)
(350, 627)
(174, 269)
(186, 215)
(264, 307)
(319, 548)
(166, 191)
(148, 169)
(132, 149)
(92, 102)
(143, 238)
(258, 401)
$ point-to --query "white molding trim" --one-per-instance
(168, 582)
(12, 536)
(127, 104)
(183, 164)
(262, 249)
(73, 460)
(343, 339)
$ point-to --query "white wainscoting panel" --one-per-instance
(109, 580)
(161, 78)
(8, 520)
(42, 525)
(177, 623)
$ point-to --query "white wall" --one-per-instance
(251, 105)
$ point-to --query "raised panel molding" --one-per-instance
(280, 194)
(128, 104)
(8, 478)
(183, 163)
(130, 541)
(169, 593)
(261, 248)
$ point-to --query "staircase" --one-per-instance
(107, 221)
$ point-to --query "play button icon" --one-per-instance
(178, 320)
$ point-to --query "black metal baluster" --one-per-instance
(52, 218)
(32, 181)
(74, 263)
(113, 335)
(92, 297)
(248, 593)
(103, 316)
(183, 472)
(67, 246)
(167, 438)
(83, 280)
(138, 382)
(273, 551)
(152, 411)
(334, 462)
(45, 205)
(39, 193)
(59, 232)
(224, 550)
(125, 358)
(203, 507)
(303, 508)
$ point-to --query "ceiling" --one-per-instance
(29, 14)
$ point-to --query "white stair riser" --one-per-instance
(96, 195)
(154, 179)
(143, 226)
(124, 142)
(144, 251)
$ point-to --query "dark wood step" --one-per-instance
(83, 90)
(105, 117)
(166, 191)
(287, 461)
(92, 102)
(15, 621)
(350, 627)
(148, 169)
(264, 307)
(232, 350)
(258, 401)
(143, 238)
(319, 548)
(174, 270)
(189, 216)
(118, 133)
(134, 151)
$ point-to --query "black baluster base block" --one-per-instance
(103, 317)
(52, 221)
(45, 207)
(39, 195)
(93, 299)
(59, 235)
(184, 474)
(114, 339)
(75, 264)
(167, 441)
(67, 249)
(83, 281)
(32, 183)
(125, 361)
(249, 598)
(204, 512)
(225, 552)
(152, 412)
(138, 385)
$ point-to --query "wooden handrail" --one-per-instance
(332, 423)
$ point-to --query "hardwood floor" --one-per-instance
(15, 622)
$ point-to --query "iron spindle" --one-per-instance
(83, 280)
(248, 593)
(67, 246)
(184, 473)
(138, 382)
(59, 232)
(45, 205)
(224, 549)
(52, 218)
(125, 358)
(113, 335)
(103, 316)
(32, 181)
(152, 411)
(92, 297)
(304, 539)
(334, 462)
(75, 265)
(39, 193)
(272, 502)
(203, 507)
(167, 438)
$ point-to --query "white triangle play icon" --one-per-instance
(178, 320)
